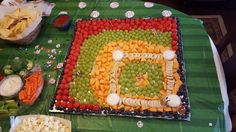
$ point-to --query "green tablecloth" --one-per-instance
(202, 82)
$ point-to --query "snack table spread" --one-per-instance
(52, 46)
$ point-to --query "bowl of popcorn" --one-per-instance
(36, 123)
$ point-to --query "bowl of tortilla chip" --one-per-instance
(20, 26)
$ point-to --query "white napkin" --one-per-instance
(44, 6)
(12, 2)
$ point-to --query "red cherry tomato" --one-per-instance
(175, 47)
(63, 104)
(64, 98)
(89, 106)
(76, 105)
(82, 107)
(58, 97)
(58, 104)
(71, 99)
(66, 93)
(59, 92)
(69, 105)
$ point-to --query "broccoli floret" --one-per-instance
(24, 63)
(17, 64)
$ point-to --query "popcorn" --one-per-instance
(42, 123)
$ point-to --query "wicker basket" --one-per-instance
(30, 37)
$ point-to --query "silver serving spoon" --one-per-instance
(12, 120)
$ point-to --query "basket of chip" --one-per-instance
(20, 24)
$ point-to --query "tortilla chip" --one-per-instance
(15, 13)
(5, 33)
(6, 22)
(16, 29)
(28, 22)
(23, 25)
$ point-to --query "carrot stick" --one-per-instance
(28, 94)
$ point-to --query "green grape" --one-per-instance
(132, 89)
(152, 95)
(122, 92)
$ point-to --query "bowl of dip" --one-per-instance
(10, 86)
(62, 22)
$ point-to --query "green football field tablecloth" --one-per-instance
(201, 78)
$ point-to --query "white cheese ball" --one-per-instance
(169, 54)
(117, 55)
(173, 100)
(113, 99)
